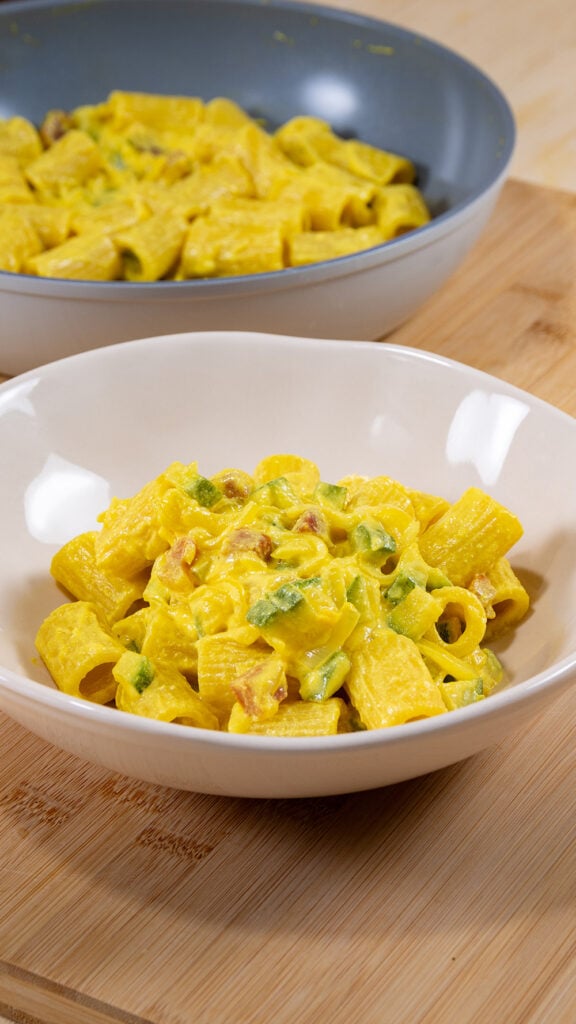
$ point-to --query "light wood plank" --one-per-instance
(445, 899)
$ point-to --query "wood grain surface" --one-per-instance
(449, 899)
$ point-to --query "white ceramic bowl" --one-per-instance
(74, 433)
(368, 78)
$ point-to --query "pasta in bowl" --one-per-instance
(412, 472)
(147, 187)
(282, 605)
(358, 98)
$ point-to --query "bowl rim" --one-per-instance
(440, 226)
(526, 692)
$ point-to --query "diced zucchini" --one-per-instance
(373, 542)
(287, 597)
(143, 675)
(357, 594)
(277, 493)
(332, 494)
(401, 587)
(262, 613)
(135, 670)
(299, 616)
(323, 681)
(415, 614)
(437, 579)
(204, 491)
(458, 693)
(303, 584)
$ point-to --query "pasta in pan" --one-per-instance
(146, 187)
(278, 604)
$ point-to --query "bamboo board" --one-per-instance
(444, 900)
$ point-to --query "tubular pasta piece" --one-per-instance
(389, 683)
(79, 652)
(225, 113)
(13, 185)
(222, 658)
(467, 609)
(111, 217)
(211, 250)
(366, 161)
(179, 112)
(160, 692)
(293, 718)
(151, 248)
(398, 209)
(74, 567)
(72, 160)
(52, 223)
(274, 213)
(19, 241)
(20, 139)
(473, 533)
(85, 258)
(224, 178)
(130, 539)
(330, 197)
(510, 601)
(315, 246)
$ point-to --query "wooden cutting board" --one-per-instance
(445, 900)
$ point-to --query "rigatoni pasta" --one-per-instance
(278, 604)
(150, 187)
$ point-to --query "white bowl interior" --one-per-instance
(75, 433)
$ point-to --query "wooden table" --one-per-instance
(445, 900)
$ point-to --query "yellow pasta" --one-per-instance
(314, 246)
(71, 161)
(503, 595)
(276, 603)
(51, 223)
(399, 208)
(152, 247)
(13, 185)
(80, 652)
(20, 139)
(176, 188)
(293, 719)
(109, 218)
(158, 692)
(309, 141)
(19, 240)
(331, 198)
(74, 567)
(474, 532)
(389, 683)
(242, 249)
(92, 256)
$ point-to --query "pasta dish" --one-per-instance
(276, 603)
(144, 187)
